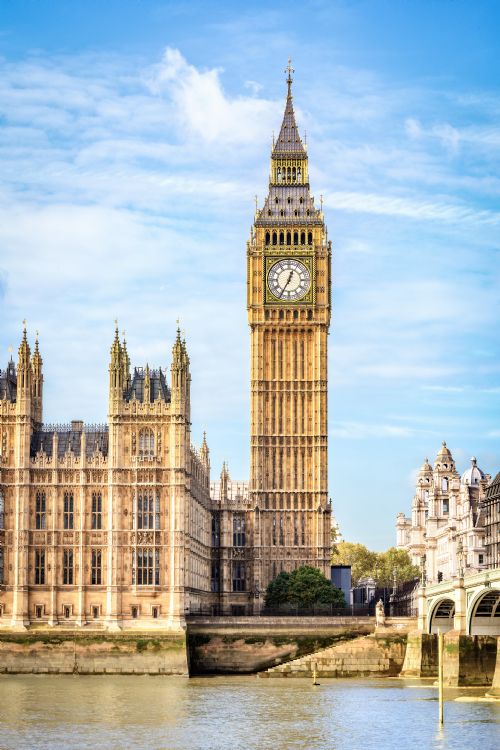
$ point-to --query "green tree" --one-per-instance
(363, 562)
(304, 587)
(382, 566)
(277, 591)
(395, 564)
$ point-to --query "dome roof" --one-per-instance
(444, 453)
(426, 468)
(473, 475)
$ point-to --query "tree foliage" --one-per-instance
(381, 566)
(304, 587)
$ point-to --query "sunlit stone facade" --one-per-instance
(107, 524)
(446, 527)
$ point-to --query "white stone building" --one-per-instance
(446, 525)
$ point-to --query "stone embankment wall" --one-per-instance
(92, 653)
(249, 645)
(380, 654)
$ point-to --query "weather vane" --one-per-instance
(289, 70)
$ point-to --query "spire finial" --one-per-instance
(289, 79)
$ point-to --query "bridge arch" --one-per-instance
(441, 615)
(483, 616)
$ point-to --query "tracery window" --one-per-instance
(68, 567)
(146, 566)
(68, 515)
(96, 521)
(96, 567)
(39, 566)
(146, 443)
(239, 576)
(239, 533)
(148, 510)
(40, 510)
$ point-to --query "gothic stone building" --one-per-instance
(109, 523)
(447, 524)
(118, 524)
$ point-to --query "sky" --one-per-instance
(134, 136)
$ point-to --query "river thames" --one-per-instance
(233, 713)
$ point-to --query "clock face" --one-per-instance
(289, 279)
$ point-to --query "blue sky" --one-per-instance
(133, 138)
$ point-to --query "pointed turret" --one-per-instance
(180, 375)
(36, 366)
(125, 363)
(224, 481)
(204, 451)
(147, 385)
(24, 366)
(116, 379)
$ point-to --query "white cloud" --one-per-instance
(202, 107)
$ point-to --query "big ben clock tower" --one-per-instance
(289, 307)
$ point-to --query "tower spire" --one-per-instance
(289, 78)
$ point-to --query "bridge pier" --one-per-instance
(494, 691)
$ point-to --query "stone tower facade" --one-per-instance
(104, 524)
(289, 308)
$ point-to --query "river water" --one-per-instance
(236, 713)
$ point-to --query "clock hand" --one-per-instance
(288, 281)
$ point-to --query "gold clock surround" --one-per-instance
(307, 260)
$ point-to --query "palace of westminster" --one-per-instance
(119, 525)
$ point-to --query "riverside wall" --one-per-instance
(245, 645)
(93, 652)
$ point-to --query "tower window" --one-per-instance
(146, 567)
(2, 510)
(275, 238)
(148, 510)
(239, 535)
(295, 238)
(146, 443)
(288, 238)
(96, 521)
(40, 566)
(268, 237)
(68, 567)
(302, 238)
(68, 519)
(282, 213)
(282, 237)
(289, 200)
(309, 237)
(40, 510)
(96, 575)
(238, 576)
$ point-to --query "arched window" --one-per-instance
(279, 174)
(146, 443)
(282, 238)
(288, 238)
(268, 237)
(289, 174)
(295, 238)
(302, 238)
(275, 238)
(147, 510)
(309, 238)
(294, 174)
(444, 484)
(299, 174)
